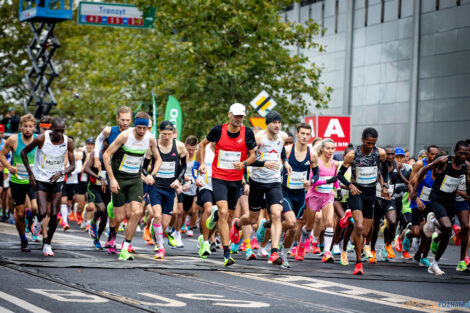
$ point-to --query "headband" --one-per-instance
(141, 122)
(45, 125)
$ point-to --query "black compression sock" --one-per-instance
(52, 228)
(273, 250)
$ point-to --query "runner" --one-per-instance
(189, 188)
(234, 150)
(168, 179)
(125, 174)
(47, 176)
(265, 187)
(365, 163)
(81, 191)
(19, 178)
(444, 189)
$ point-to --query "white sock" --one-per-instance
(304, 235)
(158, 230)
(206, 242)
(328, 238)
(125, 246)
(64, 212)
(188, 219)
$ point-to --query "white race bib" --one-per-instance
(267, 157)
(449, 184)
(378, 190)
(226, 159)
(53, 163)
(22, 173)
(167, 170)
(344, 192)
(131, 164)
(425, 193)
(326, 188)
(366, 175)
(462, 187)
(84, 177)
(294, 180)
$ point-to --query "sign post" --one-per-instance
(114, 14)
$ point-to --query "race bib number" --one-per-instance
(53, 163)
(294, 180)
(226, 159)
(425, 193)
(167, 170)
(84, 177)
(22, 173)
(462, 187)
(450, 184)
(326, 188)
(267, 157)
(131, 164)
(366, 175)
(378, 190)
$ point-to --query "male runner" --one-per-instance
(234, 150)
(48, 174)
(20, 185)
(125, 174)
(365, 162)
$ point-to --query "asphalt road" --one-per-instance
(80, 279)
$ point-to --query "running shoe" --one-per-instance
(34, 238)
(398, 244)
(373, 259)
(228, 261)
(72, 217)
(275, 259)
(190, 233)
(47, 250)
(110, 209)
(344, 221)
(262, 252)
(122, 227)
(36, 229)
(390, 253)
(234, 248)
(350, 247)
(126, 256)
(25, 246)
(434, 244)
(328, 258)
(234, 232)
(367, 252)
(336, 250)
(316, 248)
(467, 260)
(97, 244)
(171, 239)
(146, 235)
(160, 255)
(243, 247)
(260, 233)
(211, 222)
(462, 267)
(429, 226)
(300, 251)
(293, 251)
(424, 262)
(79, 220)
(66, 226)
(344, 258)
(358, 270)
(254, 244)
(179, 241)
(434, 269)
(383, 254)
(213, 246)
(206, 250)
(93, 230)
(406, 255)
(218, 242)
(310, 243)
(131, 249)
(249, 255)
(285, 263)
(457, 240)
(406, 244)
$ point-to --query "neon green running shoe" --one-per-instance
(110, 209)
(211, 222)
(434, 244)
(228, 261)
(204, 249)
(462, 267)
(171, 239)
(125, 255)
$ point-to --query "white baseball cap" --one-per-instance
(237, 109)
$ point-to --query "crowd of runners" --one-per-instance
(245, 190)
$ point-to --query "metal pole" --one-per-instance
(414, 76)
(348, 51)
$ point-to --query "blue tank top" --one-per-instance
(300, 171)
(113, 134)
(424, 188)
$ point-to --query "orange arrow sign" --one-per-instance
(258, 121)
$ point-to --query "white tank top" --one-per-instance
(269, 150)
(50, 159)
(207, 178)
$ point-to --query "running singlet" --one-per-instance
(166, 175)
(207, 177)
(365, 169)
(22, 176)
(299, 171)
(424, 188)
(462, 187)
(392, 181)
(269, 150)
(49, 159)
(446, 183)
(227, 151)
(128, 159)
(325, 173)
(102, 174)
(189, 174)
(113, 134)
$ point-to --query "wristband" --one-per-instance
(246, 164)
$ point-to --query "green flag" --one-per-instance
(154, 124)
(174, 114)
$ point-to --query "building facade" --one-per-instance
(401, 66)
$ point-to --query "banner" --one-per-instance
(154, 118)
(174, 114)
(337, 128)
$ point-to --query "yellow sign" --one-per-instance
(258, 121)
(263, 103)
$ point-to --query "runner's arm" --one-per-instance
(37, 142)
(71, 157)
(9, 144)
(422, 172)
(156, 155)
(88, 166)
(348, 159)
(99, 140)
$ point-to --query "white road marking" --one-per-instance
(22, 304)
(5, 310)
(220, 301)
(165, 302)
(69, 295)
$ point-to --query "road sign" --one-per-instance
(337, 128)
(114, 14)
(258, 121)
(263, 103)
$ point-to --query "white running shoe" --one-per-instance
(262, 252)
(36, 227)
(429, 227)
(190, 233)
(434, 269)
(179, 241)
(336, 250)
(47, 250)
